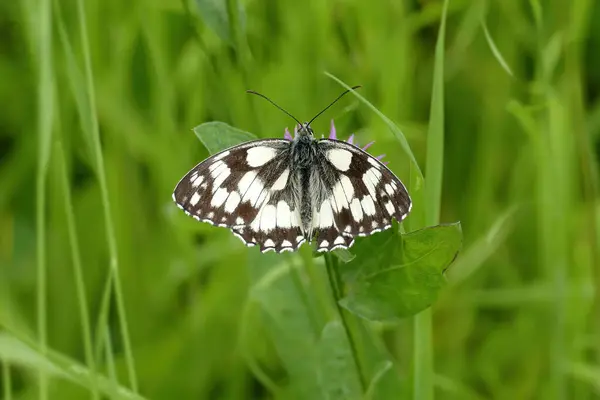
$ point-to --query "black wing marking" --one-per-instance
(362, 196)
(245, 188)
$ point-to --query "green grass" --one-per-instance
(108, 290)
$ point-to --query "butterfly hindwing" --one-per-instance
(362, 196)
(245, 188)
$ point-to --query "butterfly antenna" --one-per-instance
(333, 102)
(272, 102)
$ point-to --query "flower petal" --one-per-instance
(332, 132)
(367, 146)
(380, 156)
(351, 139)
(287, 135)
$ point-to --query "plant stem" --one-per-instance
(78, 273)
(423, 352)
(45, 120)
(6, 381)
(101, 172)
(335, 281)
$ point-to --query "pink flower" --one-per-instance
(333, 136)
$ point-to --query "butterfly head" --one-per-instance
(304, 130)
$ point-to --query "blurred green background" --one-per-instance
(98, 106)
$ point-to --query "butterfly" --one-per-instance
(279, 193)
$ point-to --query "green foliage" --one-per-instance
(389, 276)
(395, 276)
(108, 290)
(217, 136)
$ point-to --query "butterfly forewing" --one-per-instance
(362, 196)
(246, 188)
(276, 194)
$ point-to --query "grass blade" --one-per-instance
(6, 381)
(391, 125)
(494, 49)
(77, 271)
(45, 119)
(25, 354)
(423, 353)
(100, 170)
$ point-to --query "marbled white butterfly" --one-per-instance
(279, 193)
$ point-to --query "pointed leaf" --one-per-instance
(338, 376)
(214, 13)
(217, 136)
(396, 278)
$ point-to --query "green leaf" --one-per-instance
(217, 136)
(393, 277)
(214, 13)
(338, 376)
(17, 352)
(290, 319)
(344, 255)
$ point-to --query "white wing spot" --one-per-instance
(389, 189)
(268, 217)
(219, 197)
(260, 155)
(219, 156)
(339, 240)
(232, 202)
(286, 243)
(389, 206)
(368, 205)
(295, 219)
(340, 158)
(197, 180)
(195, 199)
(348, 229)
(246, 181)
(210, 215)
(239, 220)
(324, 243)
(254, 192)
(225, 172)
(367, 180)
(375, 176)
(374, 224)
(263, 198)
(356, 209)
(269, 243)
(281, 181)
(284, 218)
(216, 167)
(325, 215)
(343, 192)
(373, 162)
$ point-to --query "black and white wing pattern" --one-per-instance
(360, 196)
(247, 189)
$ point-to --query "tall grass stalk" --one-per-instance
(423, 352)
(335, 281)
(45, 119)
(110, 232)
(6, 381)
(77, 271)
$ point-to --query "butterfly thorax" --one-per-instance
(303, 154)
